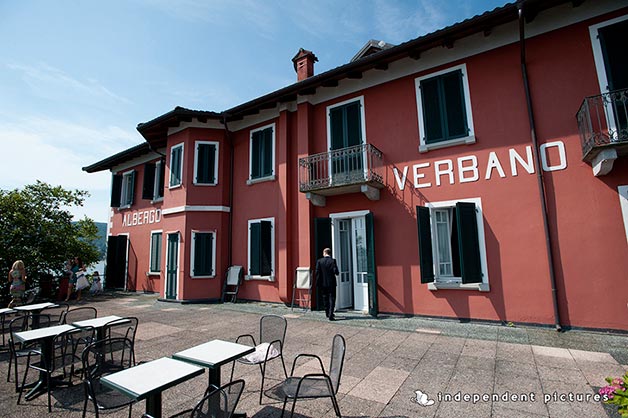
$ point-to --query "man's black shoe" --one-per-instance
(332, 318)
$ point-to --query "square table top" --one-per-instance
(141, 381)
(39, 333)
(35, 306)
(214, 353)
(96, 322)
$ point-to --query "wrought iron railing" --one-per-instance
(603, 120)
(347, 166)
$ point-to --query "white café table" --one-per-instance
(45, 336)
(212, 355)
(97, 323)
(35, 309)
(149, 380)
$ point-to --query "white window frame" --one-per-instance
(272, 176)
(623, 204)
(182, 146)
(270, 278)
(469, 139)
(193, 255)
(196, 144)
(124, 190)
(456, 282)
(150, 252)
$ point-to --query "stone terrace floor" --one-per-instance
(388, 359)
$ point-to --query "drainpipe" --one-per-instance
(230, 227)
(537, 162)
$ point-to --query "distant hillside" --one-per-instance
(101, 242)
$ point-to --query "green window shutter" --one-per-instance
(203, 246)
(432, 114)
(371, 271)
(336, 128)
(426, 262)
(353, 124)
(148, 186)
(175, 169)
(256, 155)
(254, 246)
(468, 242)
(206, 158)
(162, 176)
(456, 115)
(155, 254)
(131, 191)
(266, 265)
(211, 163)
(116, 190)
(266, 153)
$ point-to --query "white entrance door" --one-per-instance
(360, 284)
(344, 258)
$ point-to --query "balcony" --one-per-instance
(603, 125)
(347, 170)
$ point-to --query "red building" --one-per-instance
(474, 172)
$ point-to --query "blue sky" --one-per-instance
(76, 77)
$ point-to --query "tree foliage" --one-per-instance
(36, 226)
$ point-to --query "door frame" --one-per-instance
(335, 217)
(178, 253)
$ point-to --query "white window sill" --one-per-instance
(158, 200)
(205, 184)
(153, 273)
(202, 277)
(260, 180)
(265, 278)
(423, 147)
(482, 287)
(174, 186)
(124, 207)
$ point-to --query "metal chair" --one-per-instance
(18, 350)
(56, 313)
(272, 332)
(79, 314)
(313, 385)
(217, 402)
(64, 355)
(102, 358)
(122, 328)
(5, 319)
(235, 274)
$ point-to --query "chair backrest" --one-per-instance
(106, 356)
(39, 320)
(234, 275)
(80, 314)
(67, 344)
(272, 328)
(17, 324)
(338, 349)
(220, 402)
(57, 313)
(122, 328)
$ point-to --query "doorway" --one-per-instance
(172, 266)
(350, 236)
(117, 262)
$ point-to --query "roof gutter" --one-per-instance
(537, 162)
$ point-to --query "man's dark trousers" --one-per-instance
(329, 300)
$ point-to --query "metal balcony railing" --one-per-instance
(359, 164)
(603, 122)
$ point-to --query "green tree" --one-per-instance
(36, 227)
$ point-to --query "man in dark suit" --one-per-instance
(326, 272)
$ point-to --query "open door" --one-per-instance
(322, 240)
(172, 266)
(371, 275)
(115, 276)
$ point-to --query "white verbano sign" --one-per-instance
(145, 217)
(467, 168)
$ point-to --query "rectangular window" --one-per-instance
(153, 187)
(127, 189)
(452, 251)
(206, 163)
(261, 249)
(444, 108)
(345, 124)
(203, 254)
(262, 153)
(155, 252)
(176, 165)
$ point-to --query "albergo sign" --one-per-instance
(145, 217)
(467, 168)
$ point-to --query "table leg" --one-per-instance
(153, 405)
(42, 383)
(214, 376)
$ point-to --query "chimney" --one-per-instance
(304, 64)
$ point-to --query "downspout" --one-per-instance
(537, 162)
(231, 158)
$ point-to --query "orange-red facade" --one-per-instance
(587, 231)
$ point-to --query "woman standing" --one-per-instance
(17, 279)
(77, 268)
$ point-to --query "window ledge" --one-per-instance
(158, 200)
(205, 184)
(260, 180)
(265, 278)
(423, 147)
(124, 207)
(203, 277)
(174, 186)
(153, 273)
(482, 287)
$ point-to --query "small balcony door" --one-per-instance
(353, 286)
(172, 266)
(345, 136)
